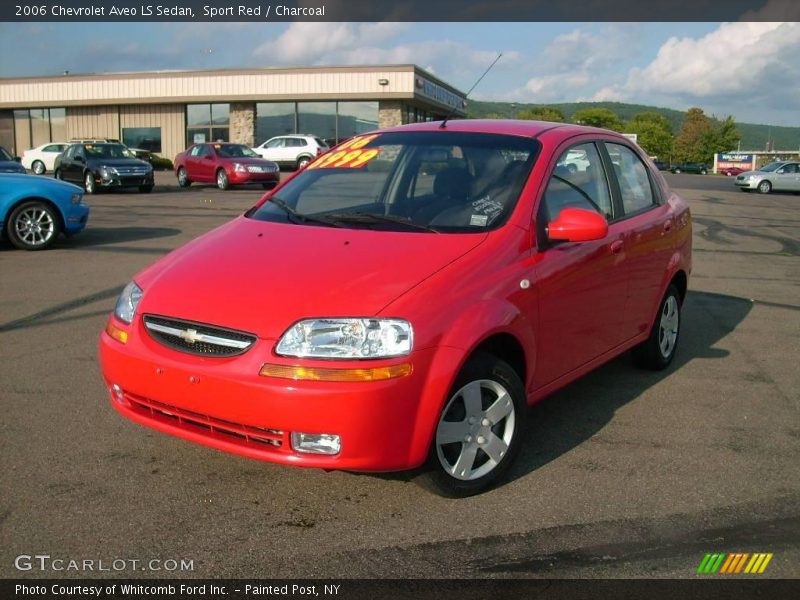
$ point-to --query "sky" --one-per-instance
(748, 70)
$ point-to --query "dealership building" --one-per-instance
(166, 111)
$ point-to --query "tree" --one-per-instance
(494, 115)
(542, 113)
(598, 117)
(728, 135)
(699, 140)
(654, 133)
(696, 137)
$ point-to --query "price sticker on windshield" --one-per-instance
(350, 155)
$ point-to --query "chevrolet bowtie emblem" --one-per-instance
(189, 336)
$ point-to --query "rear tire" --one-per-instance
(479, 430)
(183, 178)
(658, 350)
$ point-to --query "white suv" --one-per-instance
(292, 150)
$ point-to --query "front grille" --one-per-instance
(128, 171)
(245, 435)
(198, 338)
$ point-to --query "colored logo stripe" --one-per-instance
(734, 563)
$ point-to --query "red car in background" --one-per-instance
(404, 298)
(732, 171)
(224, 164)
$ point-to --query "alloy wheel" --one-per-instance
(668, 326)
(34, 226)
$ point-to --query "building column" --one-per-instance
(390, 113)
(243, 123)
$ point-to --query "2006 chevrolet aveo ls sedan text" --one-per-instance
(403, 299)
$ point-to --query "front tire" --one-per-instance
(676, 171)
(222, 180)
(88, 183)
(302, 162)
(765, 187)
(478, 432)
(58, 174)
(658, 350)
(38, 167)
(33, 225)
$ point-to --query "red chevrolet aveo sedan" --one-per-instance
(224, 164)
(405, 297)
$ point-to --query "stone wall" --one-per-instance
(243, 123)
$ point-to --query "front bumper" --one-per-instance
(123, 181)
(224, 403)
(747, 184)
(76, 217)
(244, 177)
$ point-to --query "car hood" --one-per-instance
(748, 173)
(11, 166)
(118, 162)
(39, 182)
(262, 277)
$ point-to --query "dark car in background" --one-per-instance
(10, 164)
(102, 166)
(224, 164)
(690, 167)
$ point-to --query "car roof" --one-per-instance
(518, 127)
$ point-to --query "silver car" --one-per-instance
(778, 176)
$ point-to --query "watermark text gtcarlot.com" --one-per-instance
(48, 563)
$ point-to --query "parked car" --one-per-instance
(661, 165)
(104, 166)
(34, 210)
(575, 161)
(224, 164)
(292, 150)
(690, 167)
(10, 164)
(731, 171)
(159, 163)
(781, 176)
(371, 313)
(43, 158)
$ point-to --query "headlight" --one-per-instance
(106, 172)
(127, 303)
(347, 338)
(76, 198)
(239, 168)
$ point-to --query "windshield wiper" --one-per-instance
(299, 217)
(367, 217)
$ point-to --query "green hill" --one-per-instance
(754, 136)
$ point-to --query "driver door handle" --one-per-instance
(616, 246)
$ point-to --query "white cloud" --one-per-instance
(312, 42)
(749, 69)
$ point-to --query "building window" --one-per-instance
(38, 126)
(273, 119)
(355, 118)
(146, 138)
(319, 119)
(207, 123)
(58, 124)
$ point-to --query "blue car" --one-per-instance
(8, 164)
(34, 210)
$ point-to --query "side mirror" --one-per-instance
(18, 159)
(79, 158)
(780, 171)
(577, 225)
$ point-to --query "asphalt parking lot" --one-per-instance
(623, 474)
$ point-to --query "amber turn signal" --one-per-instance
(328, 374)
(115, 332)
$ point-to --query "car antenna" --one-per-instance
(450, 114)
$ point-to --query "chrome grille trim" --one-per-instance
(200, 339)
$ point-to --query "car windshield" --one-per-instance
(771, 167)
(107, 151)
(425, 181)
(5, 155)
(234, 151)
